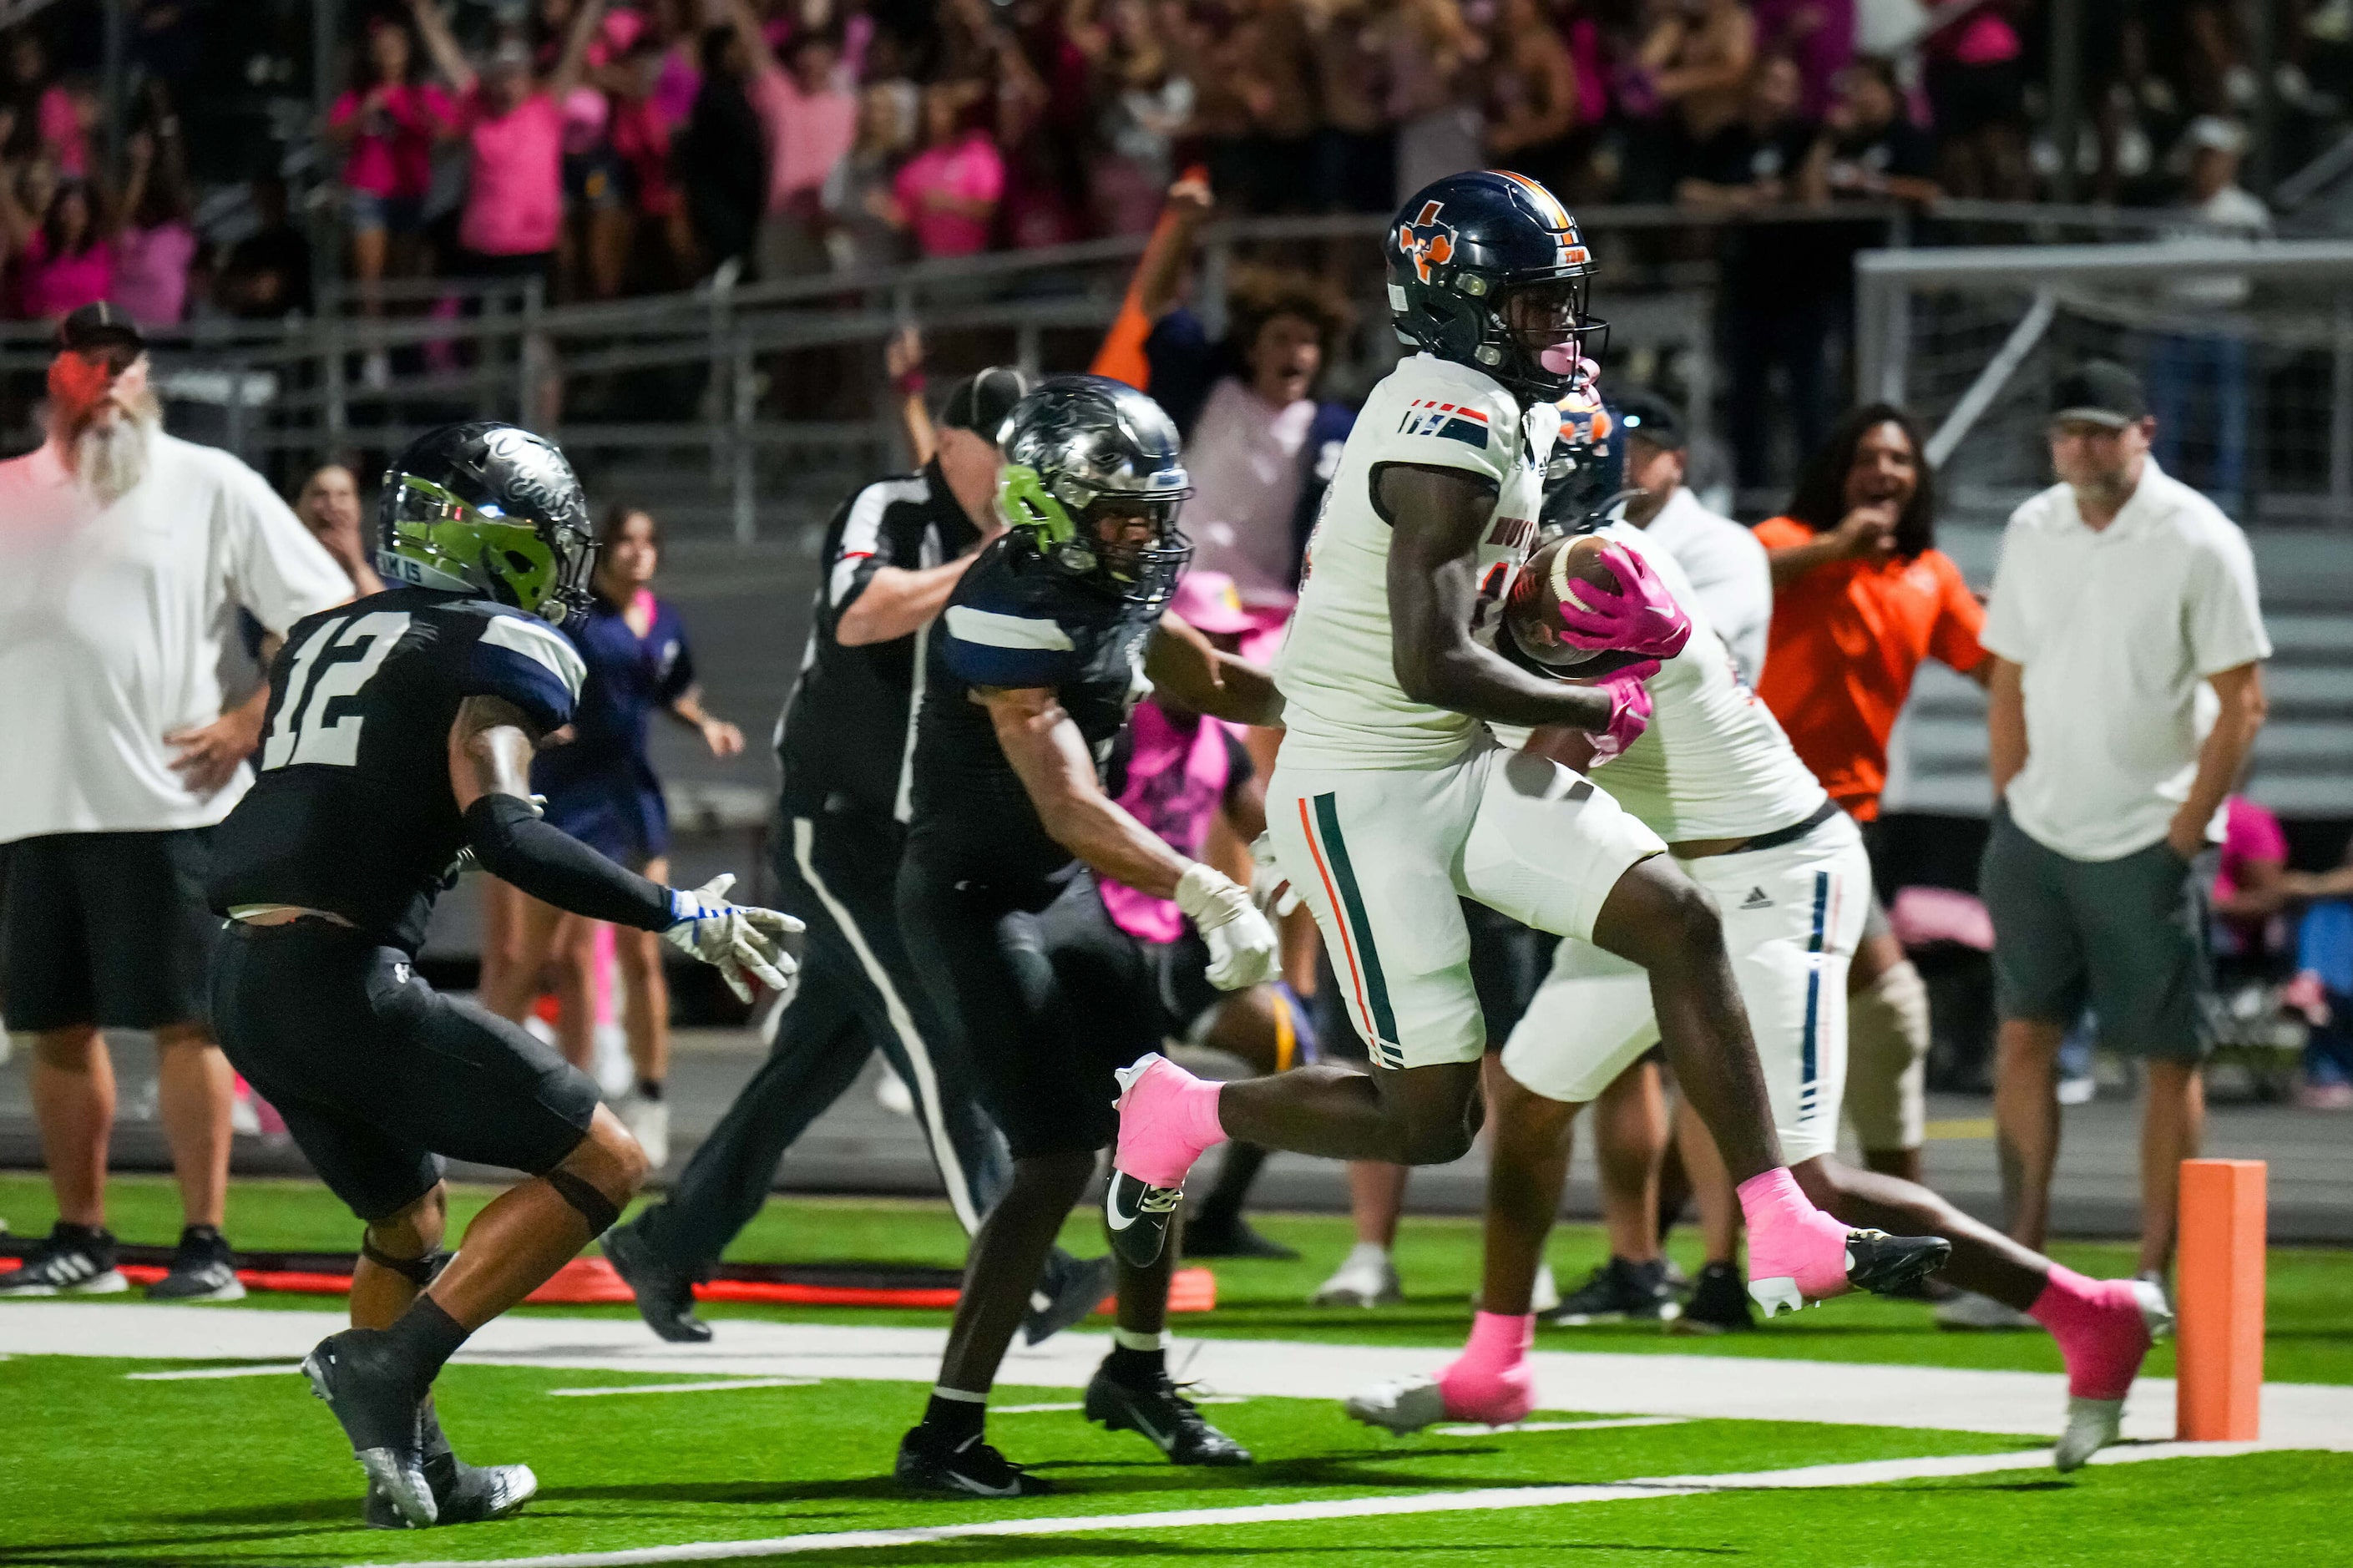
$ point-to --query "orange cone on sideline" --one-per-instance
(2219, 1396)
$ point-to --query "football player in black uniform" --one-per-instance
(399, 742)
(1050, 638)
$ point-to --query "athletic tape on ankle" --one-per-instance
(595, 1207)
(418, 1271)
(1128, 1339)
(957, 1395)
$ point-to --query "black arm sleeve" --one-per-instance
(513, 844)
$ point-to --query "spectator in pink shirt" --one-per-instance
(387, 123)
(157, 246)
(807, 122)
(947, 194)
(50, 120)
(61, 239)
(513, 126)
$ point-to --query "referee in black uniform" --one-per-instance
(893, 555)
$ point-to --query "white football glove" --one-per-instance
(1270, 888)
(1242, 947)
(737, 940)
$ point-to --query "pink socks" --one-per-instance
(2100, 1329)
(1791, 1240)
(1490, 1380)
(1167, 1120)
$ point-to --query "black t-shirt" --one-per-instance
(352, 810)
(1015, 621)
(843, 737)
(1765, 261)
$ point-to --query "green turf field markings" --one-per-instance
(1864, 1473)
(1081, 1405)
(1475, 1430)
(267, 1369)
(702, 1385)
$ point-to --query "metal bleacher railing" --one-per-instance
(738, 394)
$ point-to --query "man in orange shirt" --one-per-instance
(1861, 596)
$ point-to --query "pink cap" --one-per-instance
(1207, 602)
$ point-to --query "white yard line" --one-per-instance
(1877, 1472)
(708, 1385)
(1615, 1421)
(1701, 1387)
(266, 1368)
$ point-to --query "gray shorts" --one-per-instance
(2125, 936)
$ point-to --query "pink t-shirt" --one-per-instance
(940, 185)
(151, 272)
(807, 134)
(515, 188)
(393, 155)
(2249, 833)
(47, 289)
(1176, 775)
(1983, 38)
(60, 128)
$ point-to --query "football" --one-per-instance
(1532, 610)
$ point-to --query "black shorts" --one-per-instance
(110, 929)
(377, 1074)
(1046, 995)
(1180, 983)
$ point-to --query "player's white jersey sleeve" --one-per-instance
(1713, 762)
(1343, 705)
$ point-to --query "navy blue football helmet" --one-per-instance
(1487, 269)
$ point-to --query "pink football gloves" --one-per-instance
(1630, 709)
(1641, 617)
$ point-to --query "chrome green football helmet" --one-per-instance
(1080, 451)
(489, 510)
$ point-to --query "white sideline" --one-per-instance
(1757, 1388)
(708, 1385)
(1873, 1473)
(1607, 1423)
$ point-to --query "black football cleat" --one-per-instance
(1137, 1214)
(1890, 1264)
(1068, 1289)
(664, 1292)
(1166, 1418)
(929, 1462)
(1232, 1237)
(462, 1493)
(369, 1391)
(1718, 1304)
(1618, 1292)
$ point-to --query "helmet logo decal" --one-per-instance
(1568, 247)
(1430, 242)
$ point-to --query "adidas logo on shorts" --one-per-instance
(1755, 899)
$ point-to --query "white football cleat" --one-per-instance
(1366, 1278)
(1401, 1408)
(1970, 1310)
(2094, 1423)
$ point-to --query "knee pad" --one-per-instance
(418, 1271)
(593, 1205)
(1887, 1060)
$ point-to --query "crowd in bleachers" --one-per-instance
(623, 145)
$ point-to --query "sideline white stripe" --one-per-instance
(1080, 1405)
(911, 1039)
(272, 1369)
(1875, 1472)
(703, 1385)
(1614, 1421)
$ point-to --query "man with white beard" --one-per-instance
(125, 555)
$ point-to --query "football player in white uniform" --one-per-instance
(1390, 798)
(1714, 776)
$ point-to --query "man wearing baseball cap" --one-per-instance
(125, 553)
(2121, 593)
(892, 555)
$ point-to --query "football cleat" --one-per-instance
(2094, 1423)
(1067, 1289)
(927, 1462)
(1970, 1310)
(463, 1493)
(364, 1383)
(203, 1269)
(1618, 1292)
(1718, 1304)
(1165, 1419)
(1875, 1261)
(1401, 1408)
(1232, 1237)
(1365, 1277)
(664, 1292)
(1137, 1213)
(74, 1260)
(1150, 1161)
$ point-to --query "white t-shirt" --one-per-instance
(114, 623)
(1245, 465)
(1727, 571)
(2116, 632)
(1713, 762)
(1337, 672)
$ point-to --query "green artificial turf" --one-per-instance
(251, 1470)
(2310, 1303)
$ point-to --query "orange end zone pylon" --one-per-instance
(2218, 1392)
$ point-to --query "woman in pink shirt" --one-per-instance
(513, 124)
(387, 125)
(157, 245)
(947, 194)
(65, 255)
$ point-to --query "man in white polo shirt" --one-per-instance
(125, 557)
(2122, 599)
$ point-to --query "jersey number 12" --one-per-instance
(335, 661)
